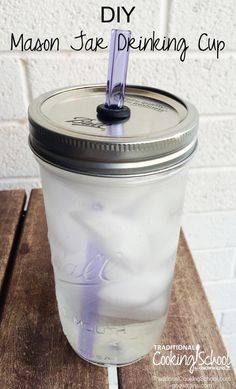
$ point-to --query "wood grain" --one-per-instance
(190, 321)
(34, 351)
(11, 207)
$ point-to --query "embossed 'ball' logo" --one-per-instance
(92, 273)
(87, 122)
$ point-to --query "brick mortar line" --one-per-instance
(13, 122)
(215, 212)
(191, 244)
(202, 251)
(21, 178)
(27, 94)
(226, 212)
(164, 17)
(162, 55)
(217, 116)
(211, 169)
(220, 323)
(224, 281)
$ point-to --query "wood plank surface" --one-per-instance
(34, 351)
(11, 208)
(190, 322)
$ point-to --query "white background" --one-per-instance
(210, 208)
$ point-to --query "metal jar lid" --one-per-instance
(65, 131)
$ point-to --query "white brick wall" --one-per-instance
(193, 17)
(12, 100)
(216, 264)
(210, 208)
(217, 142)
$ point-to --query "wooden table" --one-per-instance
(34, 351)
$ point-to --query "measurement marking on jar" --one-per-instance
(101, 330)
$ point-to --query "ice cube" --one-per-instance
(124, 242)
(135, 294)
(65, 232)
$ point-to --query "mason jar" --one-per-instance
(113, 194)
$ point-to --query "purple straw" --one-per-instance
(89, 316)
(115, 129)
(117, 70)
(96, 258)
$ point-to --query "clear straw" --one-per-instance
(117, 69)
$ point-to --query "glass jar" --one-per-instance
(113, 196)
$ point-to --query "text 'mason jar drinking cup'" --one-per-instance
(113, 194)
